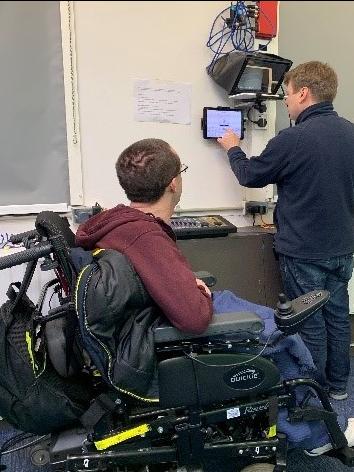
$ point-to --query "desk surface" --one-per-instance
(256, 229)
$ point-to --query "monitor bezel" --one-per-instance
(263, 61)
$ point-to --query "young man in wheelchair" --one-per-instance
(227, 384)
(150, 173)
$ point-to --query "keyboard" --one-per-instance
(209, 226)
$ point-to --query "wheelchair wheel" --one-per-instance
(39, 455)
(260, 467)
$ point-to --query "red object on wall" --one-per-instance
(266, 25)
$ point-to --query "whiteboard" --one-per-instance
(34, 155)
(118, 43)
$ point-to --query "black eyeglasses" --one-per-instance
(184, 167)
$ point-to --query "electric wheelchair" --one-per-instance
(219, 395)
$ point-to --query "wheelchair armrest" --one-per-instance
(290, 315)
(222, 323)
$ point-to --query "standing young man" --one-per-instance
(312, 164)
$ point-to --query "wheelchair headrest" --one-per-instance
(57, 230)
(51, 224)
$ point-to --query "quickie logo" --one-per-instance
(241, 378)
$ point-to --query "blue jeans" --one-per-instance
(327, 332)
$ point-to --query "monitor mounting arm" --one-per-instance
(259, 104)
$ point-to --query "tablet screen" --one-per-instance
(217, 121)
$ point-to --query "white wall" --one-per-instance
(117, 42)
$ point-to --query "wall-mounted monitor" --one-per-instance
(217, 120)
(256, 79)
(241, 72)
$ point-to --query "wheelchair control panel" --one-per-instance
(209, 226)
(289, 315)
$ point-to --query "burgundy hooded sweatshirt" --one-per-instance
(149, 244)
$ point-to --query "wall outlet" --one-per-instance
(261, 119)
(256, 208)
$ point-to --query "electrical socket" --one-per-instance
(262, 121)
(256, 208)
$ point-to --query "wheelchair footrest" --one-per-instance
(344, 454)
(311, 414)
(338, 439)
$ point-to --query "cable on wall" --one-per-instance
(72, 77)
(234, 28)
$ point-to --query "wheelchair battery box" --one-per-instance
(212, 378)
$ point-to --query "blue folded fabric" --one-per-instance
(293, 360)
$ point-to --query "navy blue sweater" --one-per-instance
(312, 164)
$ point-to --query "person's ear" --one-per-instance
(173, 185)
(304, 94)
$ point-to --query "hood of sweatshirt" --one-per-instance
(123, 217)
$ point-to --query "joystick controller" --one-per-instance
(290, 315)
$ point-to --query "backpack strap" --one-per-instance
(101, 406)
(11, 292)
(22, 287)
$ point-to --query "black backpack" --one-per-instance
(33, 397)
(70, 365)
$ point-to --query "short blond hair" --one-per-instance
(319, 77)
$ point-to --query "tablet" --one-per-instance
(217, 120)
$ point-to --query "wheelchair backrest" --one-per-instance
(50, 224)
(57, 230)
(114, 313)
